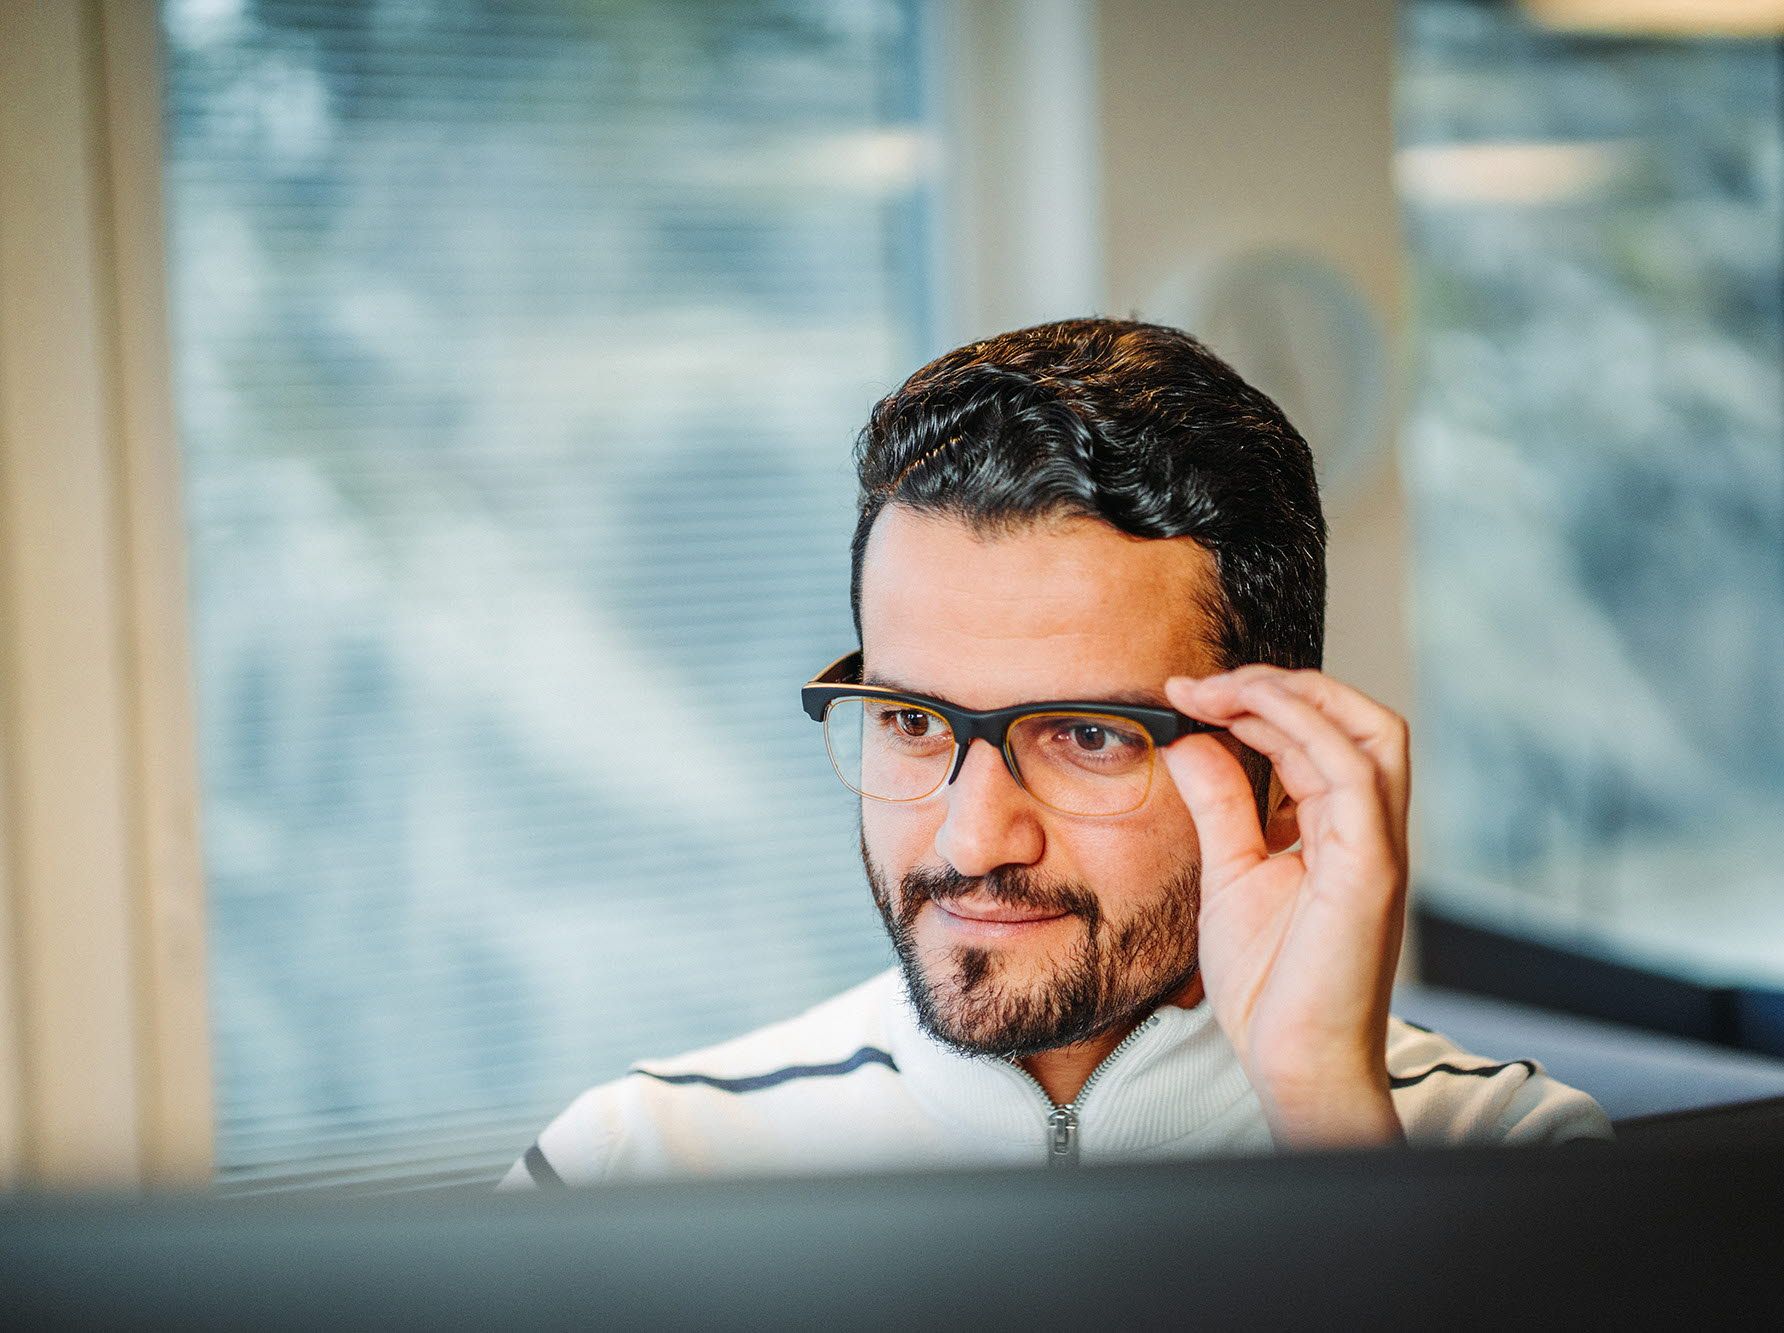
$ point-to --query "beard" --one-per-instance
(973, 998)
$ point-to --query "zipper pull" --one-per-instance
(1062, 1136)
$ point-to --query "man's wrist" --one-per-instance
(1349, 1114)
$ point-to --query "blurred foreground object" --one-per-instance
(1580, 1238)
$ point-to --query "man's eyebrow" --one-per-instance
(1137, 698)
(1132, 698)
(880, 682)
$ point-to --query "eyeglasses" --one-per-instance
(1079, 758)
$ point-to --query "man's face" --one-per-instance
(1019, 928)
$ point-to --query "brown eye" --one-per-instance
(912, 722)
(1089, 737)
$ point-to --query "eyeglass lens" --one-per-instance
(1077, 763)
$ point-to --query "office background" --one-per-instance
(424, 484)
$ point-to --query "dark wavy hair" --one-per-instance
(1135, 424)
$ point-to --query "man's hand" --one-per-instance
(1298, 948)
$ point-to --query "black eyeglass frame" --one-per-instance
(840, 680)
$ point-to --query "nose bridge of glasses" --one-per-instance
(963, 746)
(993, 729)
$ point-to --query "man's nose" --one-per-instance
(991, 821)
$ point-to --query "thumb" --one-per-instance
(1221, 802)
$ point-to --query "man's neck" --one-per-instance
(1063, 1070)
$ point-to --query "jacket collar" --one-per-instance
(1178, 1082)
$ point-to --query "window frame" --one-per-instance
(105, 1069)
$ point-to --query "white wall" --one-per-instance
(1098, 151)
(1228, 126)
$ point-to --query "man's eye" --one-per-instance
(1088, 736)
(1096, 740)
(911, 722)
(908, 724)
(1093, 736)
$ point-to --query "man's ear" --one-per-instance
(1281, 831)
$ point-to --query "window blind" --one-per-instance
(519, 349)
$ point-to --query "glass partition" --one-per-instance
(1596, 458)
(520, 348)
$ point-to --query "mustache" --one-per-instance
(1008, 886)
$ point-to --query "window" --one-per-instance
(518, 349)
(1596, 456)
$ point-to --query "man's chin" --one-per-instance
(987, 1002)
(981, 1002)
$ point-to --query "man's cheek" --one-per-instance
(894, 838)
(1141, 850)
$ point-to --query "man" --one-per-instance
(1157, 912)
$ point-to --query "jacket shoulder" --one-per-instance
(642, 1116)
(830, 1032)
(1447, 1095)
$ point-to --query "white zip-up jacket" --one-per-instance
(855, 1084)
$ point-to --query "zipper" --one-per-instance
(1062, 1117)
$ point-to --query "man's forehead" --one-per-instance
(1055, 608)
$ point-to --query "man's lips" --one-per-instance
(995, 914)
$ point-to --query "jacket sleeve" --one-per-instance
(1470, 1101)
(1446, 1095)
(574, 1149)
(1543, 1110)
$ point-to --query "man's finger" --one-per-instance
(1292, 766)
(1221, 803)
(1336, 771)
(1378, 731)
(1381, 732)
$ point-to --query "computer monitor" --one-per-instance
(1514, 1238)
